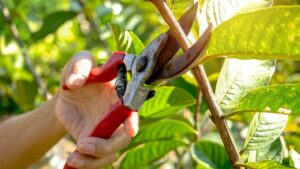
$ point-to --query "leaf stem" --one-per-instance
(203, 82)
(197, 113)
(228, 115)
(15, 34)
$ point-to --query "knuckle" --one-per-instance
(100, 162)
(103, 148)
(107, 149)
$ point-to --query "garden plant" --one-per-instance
(238, 108)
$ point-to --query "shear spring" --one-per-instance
(121, 81)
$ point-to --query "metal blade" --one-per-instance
(179, 65)
(172, 46)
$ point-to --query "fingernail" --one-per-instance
(76, 80)
(86, 148)
(79, 81)
(78, 163)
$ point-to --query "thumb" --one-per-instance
(131, 124)
(77, 70)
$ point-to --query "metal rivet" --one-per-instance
(141, 64)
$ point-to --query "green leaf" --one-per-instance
(149, 152)
(236, 80)
(268, 164)
(178, 7)
(166, 128)
(137, 46)
(271, 152)
(126, 41)
(167, 101)
(201, 166)
(264, 129)
(294, 158)
(263, 34)
(210, 154)
(218, 11)
(183, 83)
(52, 22)
(276, 98)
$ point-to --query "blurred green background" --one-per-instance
(53, 31)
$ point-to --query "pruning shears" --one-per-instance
(155, 63)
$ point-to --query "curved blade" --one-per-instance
(179, 65)
(171, 47)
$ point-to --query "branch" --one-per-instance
(203, 82)
(197, 112)
(24, 52)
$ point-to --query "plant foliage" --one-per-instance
(259, 39)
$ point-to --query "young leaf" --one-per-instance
(271, 152)
(237, 77)
(209, 154)
(166, 128)
(263, 34)
(267, 164)
(167, 101)
(126, 41)
(138, 45)
(149, 152)
(264, 129)
(52, 22)
(178, 7)
(276, 98)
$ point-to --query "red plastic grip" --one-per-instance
(110, 122)
(106, 72)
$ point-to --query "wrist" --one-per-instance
(49, 111)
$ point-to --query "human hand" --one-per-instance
(80, 109)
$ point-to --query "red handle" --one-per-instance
(106, 72)
(110, 122)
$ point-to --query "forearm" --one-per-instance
(26, 138)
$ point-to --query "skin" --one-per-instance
(27, 137)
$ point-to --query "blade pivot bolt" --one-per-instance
(141, 64)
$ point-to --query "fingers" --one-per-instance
(78, 69)
(95, 152)
(79, 161)
(131, 124)
(98, 147)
